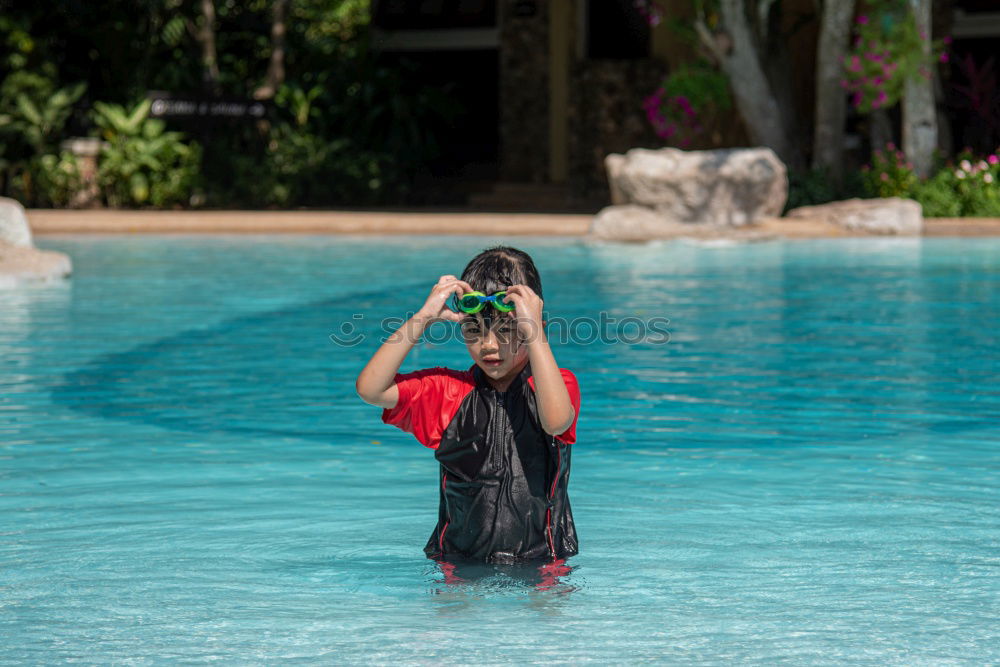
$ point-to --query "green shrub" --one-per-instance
(142, 163)
(890, 174)
(937, 196)
(816, 186)
(808, 188)
(967, 187)
(56, 177)
(33, 115)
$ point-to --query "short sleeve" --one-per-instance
(428, 400)
(569, 435)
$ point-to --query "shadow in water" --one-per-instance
(275, 373)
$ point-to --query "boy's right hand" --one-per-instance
(435, 308)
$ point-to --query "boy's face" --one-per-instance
(497, 350)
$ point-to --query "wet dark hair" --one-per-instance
(496, 268)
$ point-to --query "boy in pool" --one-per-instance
(501, 430)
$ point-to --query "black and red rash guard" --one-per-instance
(503, 487)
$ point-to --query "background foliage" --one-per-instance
(341, 129)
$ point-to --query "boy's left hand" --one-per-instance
(527, 311)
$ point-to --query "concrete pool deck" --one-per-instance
(386, 222)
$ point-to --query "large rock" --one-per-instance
(892, 215)
(19, 264)
(14, 224)
(20, 261)
(633, 223)
(730, 187)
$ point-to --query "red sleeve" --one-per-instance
(428, 401)
(569, 435)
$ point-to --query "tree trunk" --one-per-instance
(919, 118)
(777, 60)
(754, 98)
(831, 104)
(206, 38)
(879, 129)
(276, 67)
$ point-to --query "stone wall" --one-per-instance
(606, 116)
(524, 90)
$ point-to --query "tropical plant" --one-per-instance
(33, 114)
(56, 178)
(40, 117)
(686, 102)
(142, 163)
(888, 50)
(298, 102)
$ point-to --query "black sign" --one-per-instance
(167, 105)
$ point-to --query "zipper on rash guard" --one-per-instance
(552, 494)
(496, 425)
(444, 482)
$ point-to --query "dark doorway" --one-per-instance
(469, 138)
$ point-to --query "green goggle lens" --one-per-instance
(503, 307)
(473, 302)
(470, 303)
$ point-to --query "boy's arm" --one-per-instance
(555, 409)
(375, 382)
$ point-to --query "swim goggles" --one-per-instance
(473, 302)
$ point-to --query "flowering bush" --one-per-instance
(969, 186)
(888, 49)
(889, 174)
(685, 102)
(976, 183)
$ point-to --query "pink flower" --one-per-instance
(944, 57)
(890, 146)
(844, 84)
(884, 176)
(862, 19)
(993, 159)
(987, 178)
(856, 99)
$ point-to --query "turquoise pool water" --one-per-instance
(808, 472)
